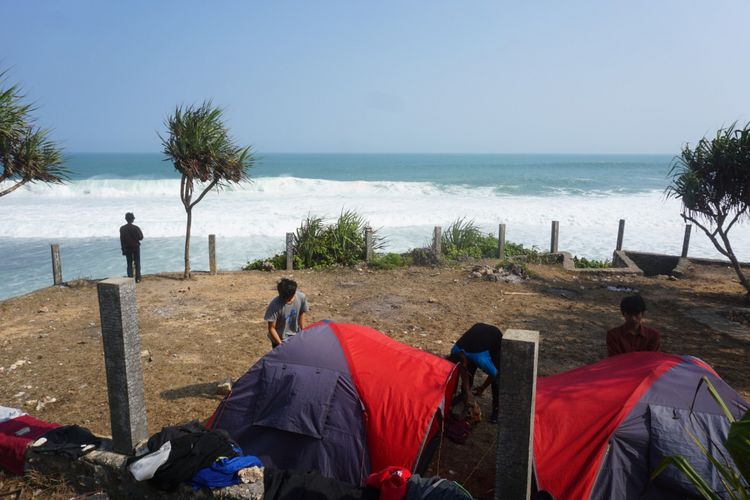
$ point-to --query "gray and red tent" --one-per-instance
(342, 399)
(600, 430)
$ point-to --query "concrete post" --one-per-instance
(56, 266)
(501, 242)
(519, 357)
(212, 253)
(620, 234)
(437, 241)
(368, 244)
(686, 240)
(289, 251)
(555, 236)
(122, 361)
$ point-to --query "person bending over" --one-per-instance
(479, 347)
(632, 335)
(286, 313)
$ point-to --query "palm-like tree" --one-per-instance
(26, 152)
(713, 183)
(204, 154)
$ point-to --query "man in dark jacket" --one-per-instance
(130, 242)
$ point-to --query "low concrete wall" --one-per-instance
(621, 264)
(653, 264)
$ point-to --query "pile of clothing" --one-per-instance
(190, 453)
(397, 483)
(18, 431)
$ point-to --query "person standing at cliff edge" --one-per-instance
(130, 243)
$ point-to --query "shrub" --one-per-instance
(584, 263)
(389, 261)
(463, 240)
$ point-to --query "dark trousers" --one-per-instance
(133, 257)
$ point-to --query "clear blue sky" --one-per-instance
(386, 76)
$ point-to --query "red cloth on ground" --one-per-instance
(13, 447)
(391, 482)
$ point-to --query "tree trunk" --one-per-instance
(189, 211)
(735, 263)
(13, 188)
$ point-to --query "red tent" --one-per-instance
(343, 399)
(599, 430)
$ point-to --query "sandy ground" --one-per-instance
(203, 331)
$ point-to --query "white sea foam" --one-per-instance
(405, 211)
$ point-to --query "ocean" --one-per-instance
(402, 195)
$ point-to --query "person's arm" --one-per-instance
(613, 347)
(140, 234)
(301, 320)
(655, 344)
(463, 377)
(273, 333)
(487, 382)
(122, 241)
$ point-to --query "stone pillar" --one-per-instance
(555, 236)
(501, 242)
(289, 251)
(368, 244)
(620, 234)
(122, 361)
(56, 266)
(686, 240)
(437, 241)
(212, 253)
(519, 356)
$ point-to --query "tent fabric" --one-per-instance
(15, 436)
(596, 427)
(401, 387)
(338, 398)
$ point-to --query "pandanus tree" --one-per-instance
(202, 151)
(712, 180)
(27, 154)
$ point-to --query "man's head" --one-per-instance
(129, 217)
(632, 309)
(286, 288)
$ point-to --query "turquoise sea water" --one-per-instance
(403, 195)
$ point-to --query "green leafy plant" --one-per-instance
(390, 261)
(584, 263)
(199, 146)
(464, 240)
(27, 155)
(735, 478)
(712, 181)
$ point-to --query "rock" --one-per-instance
(44, 402)
(19, 395)
(267, 266)
(490, 277)
(146, 356)
(476, 274)
(43, 309)
(673, 278)
(18, 363)
(224, 388)
(432, 300)
(30, 402)
(250, 474)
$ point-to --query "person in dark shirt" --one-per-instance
(479, 347)
(633, 335)
(130, 243)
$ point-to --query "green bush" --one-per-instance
(464, 240)
(584, 263)
(390, 261)
(317, 244)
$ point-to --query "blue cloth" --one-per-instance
(482, 359)
(223, 472)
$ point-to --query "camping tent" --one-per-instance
(343, 399)
(600, 430)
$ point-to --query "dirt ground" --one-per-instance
(203, 331)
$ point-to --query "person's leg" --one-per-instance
(137, 262)
(129, 259)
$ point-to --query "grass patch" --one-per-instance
(584, 263)
(390, 261)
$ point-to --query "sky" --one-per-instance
(387, 76)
